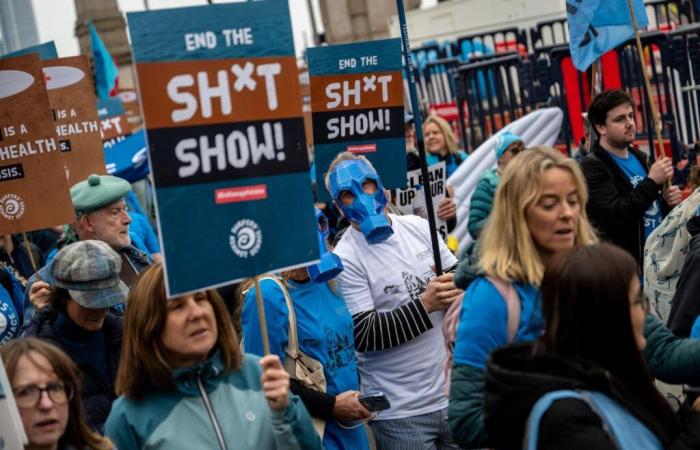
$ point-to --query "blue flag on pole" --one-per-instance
(106, 72)
(597, 26)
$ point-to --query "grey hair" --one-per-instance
(344, 156)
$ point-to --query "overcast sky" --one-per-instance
(56, 19)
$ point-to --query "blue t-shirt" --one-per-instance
(142, 235)
(483, 321)
(635, 173)
(10, 310)
(324, 332)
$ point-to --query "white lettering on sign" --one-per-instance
(238, 36)
(208, 39)
(347, 63)
(14, 151)
(68, 129)
(237, 80)
(369, 60)
(359, 124)
(195, 41)
(237, 150)
(347, 91)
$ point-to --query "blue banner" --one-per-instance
(597, 26)
(47, 50)
(220, 93)
(128, 158)
(357, 106)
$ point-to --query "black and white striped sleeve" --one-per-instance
(383, 330)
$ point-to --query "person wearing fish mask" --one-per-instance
(397, 305)
(310, 328)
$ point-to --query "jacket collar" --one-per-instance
(208, 371)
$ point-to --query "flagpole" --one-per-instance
(596, 78)
(660, 153)
(427, 191)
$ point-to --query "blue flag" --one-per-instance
(106, 72)
(597, 26)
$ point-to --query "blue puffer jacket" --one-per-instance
(210, 409)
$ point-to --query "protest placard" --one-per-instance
(127, 157)
(220, 94)
(357, 106)
(114, 129)
(132, 108)
(12, 435)
(33, 188)
(47, 50)
(411, 200)
(74, 106)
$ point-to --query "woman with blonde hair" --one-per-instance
(539, 214)
(54, 420)
(184, 382)
(441, 145)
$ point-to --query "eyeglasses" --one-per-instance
(28, 397)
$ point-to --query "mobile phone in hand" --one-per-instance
(375, 402)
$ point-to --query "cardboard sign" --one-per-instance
(33, 188)
(411, 200)
(132, 108)
(114, 127)
(220, 95)
(73, 101)
(12, 435)
(357, 106)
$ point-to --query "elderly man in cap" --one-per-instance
(101, 214)
(85, 284)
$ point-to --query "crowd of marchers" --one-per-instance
(577, 297)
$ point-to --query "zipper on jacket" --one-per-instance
(210, 411)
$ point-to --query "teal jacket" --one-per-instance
(669, 358)
(482, 201)
(210, 409)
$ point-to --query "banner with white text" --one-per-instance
(221, 102)
(357, 106)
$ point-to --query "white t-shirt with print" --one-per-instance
(383, 277)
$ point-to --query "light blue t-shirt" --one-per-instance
(451, 164)
(635, 173)
(324, 332)
(483, 321)
(142, 235)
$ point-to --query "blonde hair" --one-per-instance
(344, 156)
(446, 130)
(506, 248)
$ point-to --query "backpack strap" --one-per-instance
(532, 427)
(510, 295)
(625, 430)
